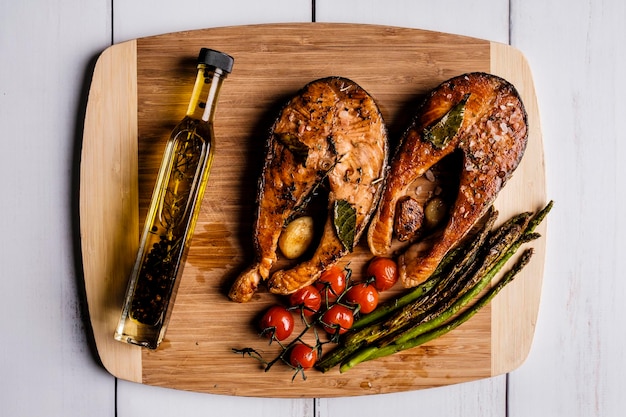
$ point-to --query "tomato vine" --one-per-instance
(314, 316)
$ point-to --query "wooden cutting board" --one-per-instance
(140, 90)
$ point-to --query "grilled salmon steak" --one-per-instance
(331, 130)
(477, 114)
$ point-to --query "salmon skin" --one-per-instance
(331, 130)
(477, 114)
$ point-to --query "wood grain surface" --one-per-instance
(140, 90)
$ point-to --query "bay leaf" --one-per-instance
(344, 220)
(440, 133)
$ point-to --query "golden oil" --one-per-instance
(173, 210)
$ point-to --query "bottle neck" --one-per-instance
(205, 92)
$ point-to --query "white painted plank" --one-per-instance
(142, 400)
(140, 18)
(577, 364)
(485, 19)
(484, 398)
(45, 361)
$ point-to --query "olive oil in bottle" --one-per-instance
(173, 210)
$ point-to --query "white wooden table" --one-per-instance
(577, 54)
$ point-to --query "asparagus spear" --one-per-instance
(507, 236)
(502, 245)
(413, 305)
(447, 290)
(485, 278)
(428, 333)
(453, 263)
(472, 282)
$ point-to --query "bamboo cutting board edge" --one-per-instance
(126, 361)
(514, 317)
(108, 195)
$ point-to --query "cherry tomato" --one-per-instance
(337, 318)
(384, 271)
(302, 356)
(365, 295)
(332, 282)
(277, 323)
(307, 297)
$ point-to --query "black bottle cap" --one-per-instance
(216, 59)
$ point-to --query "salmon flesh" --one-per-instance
(330, 131)
(477, 114)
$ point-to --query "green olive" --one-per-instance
(435, 212)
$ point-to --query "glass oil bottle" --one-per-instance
(173, 210)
